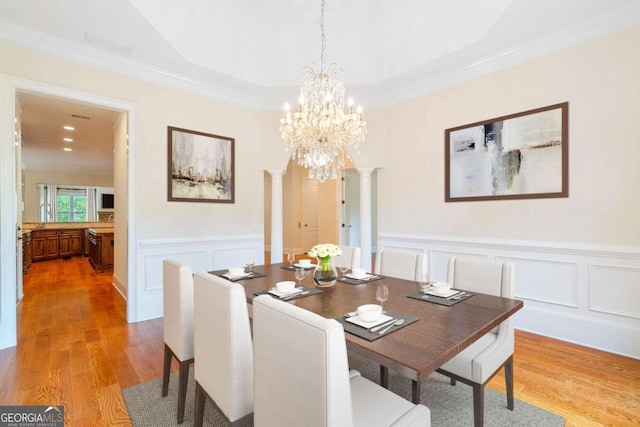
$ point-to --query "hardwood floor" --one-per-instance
(76, 349)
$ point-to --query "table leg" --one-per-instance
(415, 391)
(384, 376)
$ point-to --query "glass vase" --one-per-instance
(325, 274)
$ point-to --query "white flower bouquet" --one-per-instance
(324, 252)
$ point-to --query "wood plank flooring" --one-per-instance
(76, 349)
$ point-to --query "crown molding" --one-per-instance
(414, 83)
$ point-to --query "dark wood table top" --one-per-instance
(415, 350)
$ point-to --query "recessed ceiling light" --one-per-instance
(67, 149)
(68, 139)
(69, 127)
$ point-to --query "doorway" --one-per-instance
(124, 221)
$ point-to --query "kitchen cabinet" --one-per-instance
(101, 249)
(44, 244)
(52, 244)
(26, 252)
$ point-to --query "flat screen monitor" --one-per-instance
(107, 201)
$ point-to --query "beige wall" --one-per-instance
(157, 108)
(120, 208)
(600, 80)
(33, 177)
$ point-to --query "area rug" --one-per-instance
(449, 405)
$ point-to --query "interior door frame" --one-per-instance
(9, 87)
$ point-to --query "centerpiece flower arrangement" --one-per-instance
(325, 273)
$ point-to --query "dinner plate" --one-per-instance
(365, 277)
(304, 266)
(447, 294)
(279, 294)
(236, 276)
(358, 321)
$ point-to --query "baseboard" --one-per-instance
(120, 287)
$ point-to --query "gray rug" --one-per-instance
(450, 406)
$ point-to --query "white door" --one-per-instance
(309, 213)
(351, 208)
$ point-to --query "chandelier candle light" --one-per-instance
(325, 273)
(321, 132)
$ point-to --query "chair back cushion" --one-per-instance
(177, 302)
(350, 258)
(223, 347)
(487, 277)
(401, 264)
(301, 368)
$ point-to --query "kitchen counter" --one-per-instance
(30, 226)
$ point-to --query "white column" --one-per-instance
(365, 216)
(276, 215)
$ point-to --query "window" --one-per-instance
(71, 205)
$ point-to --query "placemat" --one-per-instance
(372, 336)
(293, 267)
(253, 275)
(311, 291)
(351, 281)
(439, 300)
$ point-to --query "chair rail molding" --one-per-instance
(584, 294)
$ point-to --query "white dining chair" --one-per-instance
(177, 302)
(479, 362)
(401, 264)
(223, 348)
(302, 376)
(350, 258)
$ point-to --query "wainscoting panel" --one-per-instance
(615, 290)
(202, 254)
(553, 282)
(585, 294)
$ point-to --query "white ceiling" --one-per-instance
(251, 52)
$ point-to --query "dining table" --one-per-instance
(436, 334)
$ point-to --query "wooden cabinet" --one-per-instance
(26, 252)
(44, 244)
(101, 249)
(70, 242)
(52, 244)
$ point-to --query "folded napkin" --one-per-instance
(449, 293)
(236, 276)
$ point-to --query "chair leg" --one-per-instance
(384, 376)
(166, 370)
(199, 406)
(508, 374)
(478, 405)
(183, 376)
(452, 381)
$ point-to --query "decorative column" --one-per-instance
(276, 215)
(365, 216)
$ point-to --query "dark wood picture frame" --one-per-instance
(519, 156)
(201, 167)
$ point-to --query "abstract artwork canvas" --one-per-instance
(523, 155)
(201, 167)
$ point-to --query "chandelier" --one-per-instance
(321, 132)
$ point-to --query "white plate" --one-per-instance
(365, 277)
(447, 294)
(279, 294)
(233, 277)
(304, 266)
(358, 321)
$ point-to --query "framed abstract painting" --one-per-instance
(519, 156)
(201, 167)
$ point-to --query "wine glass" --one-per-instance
(344, 269)
(291, 257)
(382, 293)
(424, 284)
(300, 275)
(250, 263)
